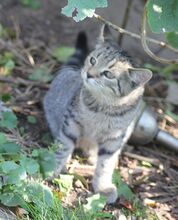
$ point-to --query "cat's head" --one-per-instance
(108, 72)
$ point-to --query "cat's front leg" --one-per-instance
(107, 159)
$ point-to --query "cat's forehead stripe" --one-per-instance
(111, 64)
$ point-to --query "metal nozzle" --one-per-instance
(146, 130)
(167, 140)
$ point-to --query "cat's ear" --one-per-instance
(140, 76)
(105, 34)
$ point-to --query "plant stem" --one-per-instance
(125, 20)
(145, 45)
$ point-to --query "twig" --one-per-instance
(137, 36)
(81, 169)
(125, 19)
(153, 161)
(24, 82)
(145, 46)
(13, 50)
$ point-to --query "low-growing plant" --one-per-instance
(7, 63)
(57, 211)
(21, 173)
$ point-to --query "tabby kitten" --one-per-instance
(95, 105)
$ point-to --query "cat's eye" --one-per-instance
(107, 74)
(92, 61)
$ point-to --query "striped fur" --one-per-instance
(95, 105)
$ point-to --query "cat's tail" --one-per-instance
(81, 51)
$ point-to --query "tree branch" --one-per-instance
(137, 36)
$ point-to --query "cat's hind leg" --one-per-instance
(68, 138)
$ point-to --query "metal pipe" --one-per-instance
(167, 140)
(146, 130)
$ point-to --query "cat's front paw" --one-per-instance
(110, 192)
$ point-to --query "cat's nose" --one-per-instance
(89, 75)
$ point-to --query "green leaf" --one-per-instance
(172, 39)
(82, 9)
(11, 147)
(31, 119)
(125, 191)
(41, 74)
(95, 203)
(31, 166)
(7, 166)
(116, 178)
(47, 162)
(168, 69)
(65, 183)
(9, 120)
(3, 32)
(16, 176)
(62, 53)
(9, 66)
(3, 138)
(5, 57)
(11, 199)
(35, 153)
(39, 193)
(2, 141)
(162, 15)
(153, 67)
(6, 97)
(122, 188)
(34, 4)
(103, 215)
(172, 115)
(146, 164)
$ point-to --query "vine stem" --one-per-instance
(137, 36)
(145, 45)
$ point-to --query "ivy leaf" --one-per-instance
(95, 203)
(162, 15)
(8, 120)
(79, 10)
(172, 39)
